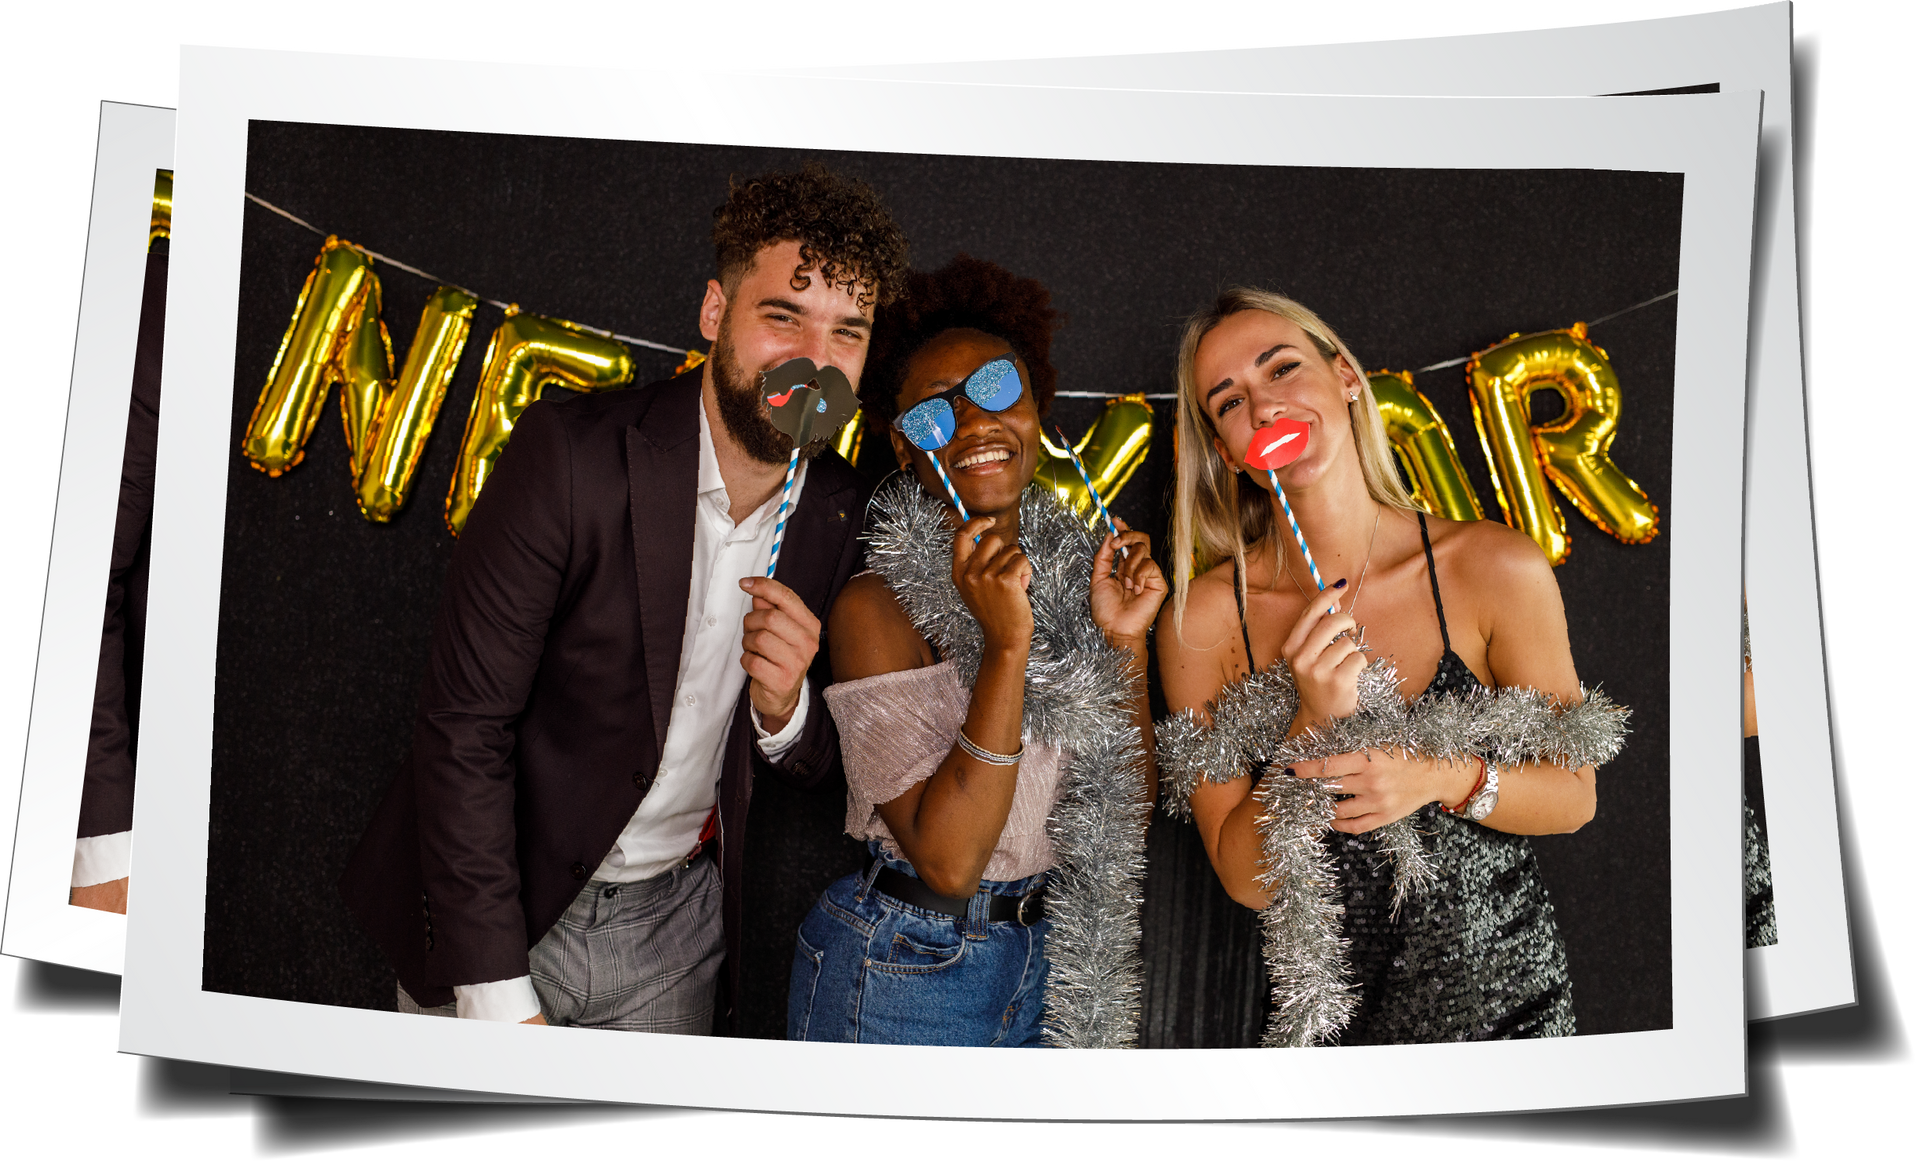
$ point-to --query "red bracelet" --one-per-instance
(1457, 809)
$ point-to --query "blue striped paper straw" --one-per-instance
(1091, 491)
(951, 492)
(780, 519)
(1297, 535)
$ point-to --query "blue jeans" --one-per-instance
(869, 968)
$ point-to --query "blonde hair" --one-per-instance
(1215, 517)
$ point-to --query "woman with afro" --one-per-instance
(942, 938)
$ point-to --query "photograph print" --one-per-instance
(909, 598)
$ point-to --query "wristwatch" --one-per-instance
(1489, 795)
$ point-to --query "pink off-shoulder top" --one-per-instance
(896, 728)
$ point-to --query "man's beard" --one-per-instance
(746, 419)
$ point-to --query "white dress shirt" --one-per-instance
(666, 827)
(104, 858)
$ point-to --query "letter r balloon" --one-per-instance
(1573, 449)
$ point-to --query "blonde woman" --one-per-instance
(1455, 608)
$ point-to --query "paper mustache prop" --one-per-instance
(806, 402)
(1272, 447)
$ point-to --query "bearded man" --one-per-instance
(610, 667)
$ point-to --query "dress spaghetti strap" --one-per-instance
(1433, 577)
(1240, 600)
(1452, 672)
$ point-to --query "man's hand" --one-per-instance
(539, 1020)
(780, 637)
(109, 896)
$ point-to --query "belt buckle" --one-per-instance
(1030, 900)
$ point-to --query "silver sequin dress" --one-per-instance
(1477, 955)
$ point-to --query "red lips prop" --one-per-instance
(1277, 444)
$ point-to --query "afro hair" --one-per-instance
(966, 293)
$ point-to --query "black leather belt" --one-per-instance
(1024, 910)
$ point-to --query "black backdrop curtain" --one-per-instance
(324, 617)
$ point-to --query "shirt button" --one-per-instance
(712, 621)
(579, 871)
(691, 699)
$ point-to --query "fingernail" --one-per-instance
(1288, 771)
(1340, 584)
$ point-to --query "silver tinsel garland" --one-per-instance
(1306, 954)
(1079, 697)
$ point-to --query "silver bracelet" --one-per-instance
(985, 757)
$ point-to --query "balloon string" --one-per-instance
(780, 519)
(1297, 535)
(647, 343)
(413, 270)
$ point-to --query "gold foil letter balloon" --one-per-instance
(161, 224)
(846, 442)
(325, 316)
(1425, 448)
(1577, 445)
(389, 453)
(364, 368)
(1112, 449)
(526, 353)
(1571, 449)
(1499, 381)
(337, 335)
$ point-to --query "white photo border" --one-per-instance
(1711, 139)
(135, 141)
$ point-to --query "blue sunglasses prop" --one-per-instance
(994, 386)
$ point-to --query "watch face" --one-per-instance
(1489, 796)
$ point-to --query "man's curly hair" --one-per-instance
(966, 293)
(845, 232)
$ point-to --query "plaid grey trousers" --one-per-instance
(634, 956)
